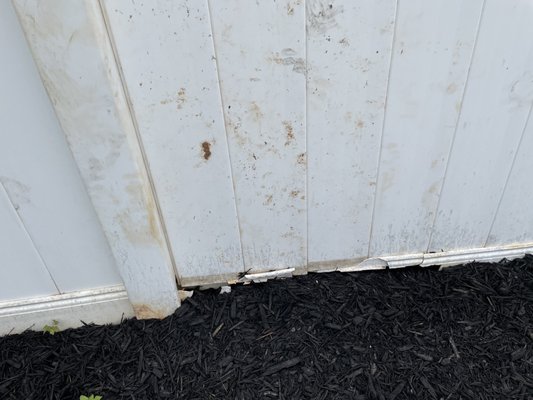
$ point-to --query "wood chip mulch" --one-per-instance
(462, 333)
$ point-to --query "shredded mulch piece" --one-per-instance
(461, 333)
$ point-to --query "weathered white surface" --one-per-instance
(167, 57)
(348, 56)
(71, 46)
(513, 222)
(432, 53)
(22, 271)
(496, 105)
(260, 52)
(101, 306)
(41, 177)
(461, 83)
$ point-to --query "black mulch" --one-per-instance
(461, 333)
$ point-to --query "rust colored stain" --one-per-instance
(206, 148)
(142, 311)
(360, 123)
(295, 193)
(289, 131)
(301, 159)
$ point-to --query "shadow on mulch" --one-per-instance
(462, 333)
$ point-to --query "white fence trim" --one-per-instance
(445, 258)
(102, 305)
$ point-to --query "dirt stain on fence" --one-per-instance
(298, 64)
(256, 112)
(289, 132)
(206, 149)
(321, 15)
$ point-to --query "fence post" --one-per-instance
(75, 58)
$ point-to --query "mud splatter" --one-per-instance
(206, 149)
(289, 132)
(181, 99)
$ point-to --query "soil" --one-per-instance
(461, 333)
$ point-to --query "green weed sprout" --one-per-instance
(52, 329)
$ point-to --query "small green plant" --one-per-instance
(91, 397)
(51, 329)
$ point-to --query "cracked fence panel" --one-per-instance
(71, 47)
(260, 52)
(433, 47)
(495, 110)
(349, 46)
(167, 57)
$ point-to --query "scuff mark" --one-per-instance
(268, 200)
(321, 15)
(521, 90)
(298, 64)
(388, 180)
(291, 6)
(290, 9)
(206, 149)
(256, 111)
(18, 192)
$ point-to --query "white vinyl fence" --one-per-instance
(220, 137)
